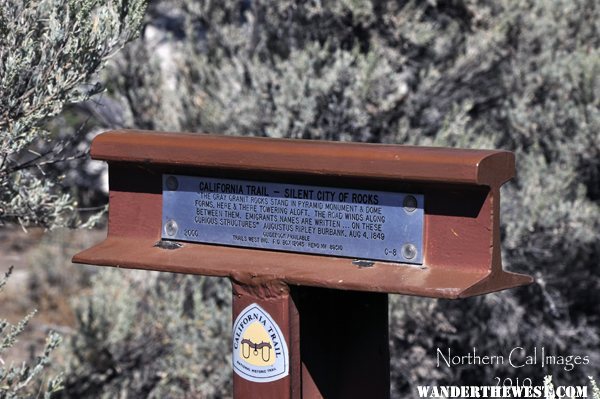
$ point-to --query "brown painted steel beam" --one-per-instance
(356, 160)
(344, 343)
(330, 312)
(274, 297)
(337, 341)
(461, 246)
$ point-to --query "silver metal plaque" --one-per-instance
(374, 225)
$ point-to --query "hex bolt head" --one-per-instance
(409, 251)
(172, 183)
(171, 228)
(410, 203)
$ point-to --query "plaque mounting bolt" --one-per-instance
(409, 204)
(409, 251)
(172, 183)
(171, 228)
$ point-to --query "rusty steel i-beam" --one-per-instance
(313, 236)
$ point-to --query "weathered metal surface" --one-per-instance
(362, 224)
(354, 160)
(337, 341)
(461, 245)
(295, 333)
(344, 343)
(274, 298)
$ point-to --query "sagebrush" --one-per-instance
(50, 52)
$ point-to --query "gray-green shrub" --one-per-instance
(50, 51)
(157, 336)
(25, 379)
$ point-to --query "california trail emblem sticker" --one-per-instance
(260, 353)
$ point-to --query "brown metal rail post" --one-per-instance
(307, 323)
